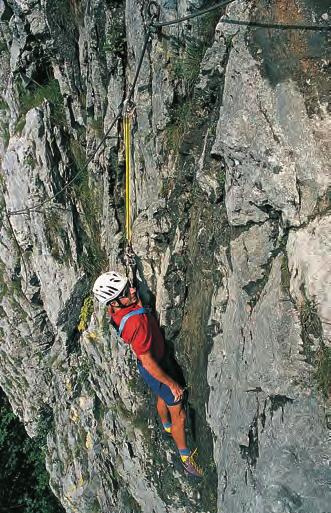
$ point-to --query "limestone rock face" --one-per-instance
(231, 231)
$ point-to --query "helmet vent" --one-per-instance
(108, 286)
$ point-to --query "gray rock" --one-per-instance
(231, 233)
(309, 265)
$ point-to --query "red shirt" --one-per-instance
(140, 331)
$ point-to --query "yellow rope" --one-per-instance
(127, 144)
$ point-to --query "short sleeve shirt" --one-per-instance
(141, 331)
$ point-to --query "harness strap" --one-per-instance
(127, 316)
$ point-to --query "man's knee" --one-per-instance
(161, 402)
(178, 415)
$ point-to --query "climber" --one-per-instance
(140, 329)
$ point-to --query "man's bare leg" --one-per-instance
(178, 418)
(162, 410)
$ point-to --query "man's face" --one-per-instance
(128, 296)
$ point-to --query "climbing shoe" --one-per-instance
(190, 465)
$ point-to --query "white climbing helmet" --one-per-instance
(108, 286)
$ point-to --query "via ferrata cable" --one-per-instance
(151, 28)
(253, 23)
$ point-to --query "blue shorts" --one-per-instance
(157, 387)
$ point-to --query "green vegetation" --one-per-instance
(221, 178)
(167, 187)
(190, 54)
(182, 118)
(141, 423)
(185, 61)
(207, 25)
(45, 425)
(97, 126)
(311, 335)
(311, 328)
(35, 95)
(3, 104)
(83, 371)
(323, 370)
(187, 67)
(4, 126)
(115, 38)
(30, 161)
(75, 6)
(78, 154)
(57, 236)
(4, 134)
(24, 479)
(87, 193)
(3, 46)
(85, 313)
(20, 124)
(95, 507)
(11, 288)
(99, 409)
(129, 502)
(285, 275)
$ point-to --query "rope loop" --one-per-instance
(153, 11)
(128, 108)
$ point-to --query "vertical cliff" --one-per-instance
(231, 207)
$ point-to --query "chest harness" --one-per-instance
(139, 311)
